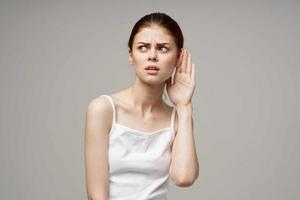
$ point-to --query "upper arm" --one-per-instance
(97, 127)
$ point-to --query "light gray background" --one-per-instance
(56, 56)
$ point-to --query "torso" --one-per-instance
(139, 159)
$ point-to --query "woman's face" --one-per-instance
(153, 46)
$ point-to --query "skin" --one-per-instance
(139, 107)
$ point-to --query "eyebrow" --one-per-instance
(163, 43)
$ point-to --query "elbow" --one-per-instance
(93, 198)
(185, 180)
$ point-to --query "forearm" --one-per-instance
(185, 166)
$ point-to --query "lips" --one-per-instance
(152, 68)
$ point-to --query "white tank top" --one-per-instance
(139, 161)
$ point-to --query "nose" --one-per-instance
(152, 55)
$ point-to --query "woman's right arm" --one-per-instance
(97, 127)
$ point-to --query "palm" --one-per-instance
(181, 91)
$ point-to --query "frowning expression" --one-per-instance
(154, 47)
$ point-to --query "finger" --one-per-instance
(184, 62)
(193, 72)
(189, 65)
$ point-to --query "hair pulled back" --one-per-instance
(162, 20)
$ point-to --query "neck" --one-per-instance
(145, 97)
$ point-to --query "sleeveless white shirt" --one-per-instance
(139, 161)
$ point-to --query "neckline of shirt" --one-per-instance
(142, 133)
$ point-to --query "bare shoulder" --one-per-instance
(99, 112)
(97, 104)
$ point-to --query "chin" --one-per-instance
(153, 81)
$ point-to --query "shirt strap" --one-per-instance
(173, 117)
(113, 106)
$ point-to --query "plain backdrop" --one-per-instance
(56, 56)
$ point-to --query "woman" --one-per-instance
(134, 140)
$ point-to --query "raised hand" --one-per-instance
(182, 89)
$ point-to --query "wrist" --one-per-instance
(184, 107)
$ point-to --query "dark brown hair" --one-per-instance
(160, 19)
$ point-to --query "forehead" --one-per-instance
(153, 34)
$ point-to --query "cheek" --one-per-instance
(139, 58)
(171, 61)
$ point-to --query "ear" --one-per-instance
(130, 56)
(180, 52)
(179, 57)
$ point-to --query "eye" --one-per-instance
(164, 49)
(142, 48)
